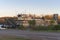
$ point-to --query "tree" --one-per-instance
(52, 22)
(48, 17)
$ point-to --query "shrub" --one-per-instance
(39, 28)
(31, 23)
(21, 27)
(56, 27)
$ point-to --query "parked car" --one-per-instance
(2, 27)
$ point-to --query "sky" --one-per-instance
(14, 7)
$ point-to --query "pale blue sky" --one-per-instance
(12, 7)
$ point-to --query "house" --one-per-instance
(23, 20)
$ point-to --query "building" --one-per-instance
(24, 18)
(55, 17)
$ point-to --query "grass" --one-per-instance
(45, 30)
(12, 38)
